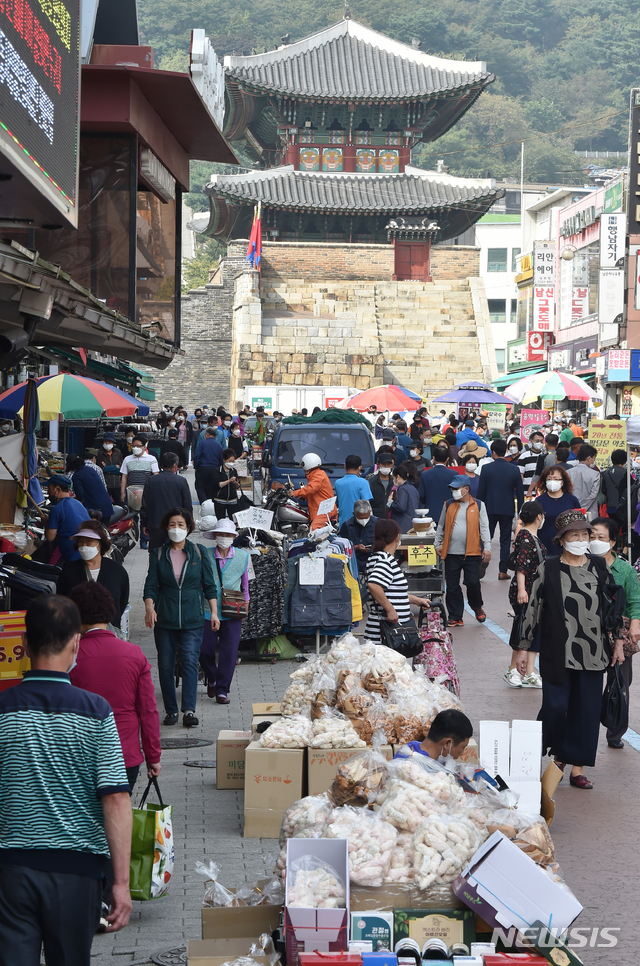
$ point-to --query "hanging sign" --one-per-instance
(254, 517)
(422, 555)
(607, 435)
(327, 506)
(311, 571)
(531, 419)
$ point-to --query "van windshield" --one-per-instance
(331, 445)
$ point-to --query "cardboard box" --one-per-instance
(515, 959)
(552, 949)
(526, 751)
(230, 753)
(360, 946)
(316, 958)
(323, 764)
(494, 748)
(450, 925)
(507, 888)
(380, 958)
(530, 795)
(318, 928)
(203, 952)
(550, 781)
(375, 926)
(273, 782)
(470, 754)
(405, 896)
(238, 926)
(259, 718)
(267, 707)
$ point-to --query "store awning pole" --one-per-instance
(629, 502)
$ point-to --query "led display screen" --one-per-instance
(39, 80)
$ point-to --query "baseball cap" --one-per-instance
(461, 481)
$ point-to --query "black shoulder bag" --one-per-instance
(614, 714)
(401, 637)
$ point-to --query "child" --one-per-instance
(449, 734)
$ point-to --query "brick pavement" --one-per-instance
(595, 833)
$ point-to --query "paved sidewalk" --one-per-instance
(595, 833)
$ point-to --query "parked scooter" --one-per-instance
(122, 529)
(288, 515)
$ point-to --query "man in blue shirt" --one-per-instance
(351, 488)
(65, 517)
(208, 457)
(90, 490)
(468, 433)
(64, 802)
(434, 483)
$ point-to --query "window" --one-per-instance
(497, 310)
(512, 202)
(514, 311)
(497, 260)
(500, 353)
(514, 254)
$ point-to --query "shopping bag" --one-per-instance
(279, 647)
(615, 701)
(152, 855)
(437, 651)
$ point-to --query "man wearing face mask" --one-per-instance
(63, 519)
(173, 445)
(161, 493)
(110, 460)
(359, 530)
(501, 491)
(380, 483)
(136, 470)
(462, 541)
(528, 459)
(434, 483)
(585, 476)
(90, 489)
(64, 807)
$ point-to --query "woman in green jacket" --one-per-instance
(179, 575)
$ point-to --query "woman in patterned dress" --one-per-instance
(528, 553)
(565, 603)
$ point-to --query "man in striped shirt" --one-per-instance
(64, 802)
(136, 470)
(528, 459)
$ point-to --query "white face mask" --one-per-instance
(457, 494)
(228, 466)
(172, 423)
(536, 446)
(129, 439)
(107, 446)
(75, 657)
(362, 521)
(599, 547)
(577, 547)
(471, 466)
(235, 432)
(554, 485)
(415, 452)
(227, 423)
(178, 534)
(137, 450)
(384, 470)
(426, 440)
(224, 542)
(513, 450)
(87, 553)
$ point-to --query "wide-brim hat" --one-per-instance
(110, 437)
(473, 447)
(225, 526)
(570, 520)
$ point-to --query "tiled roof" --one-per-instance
(412, 191)
(349, 60)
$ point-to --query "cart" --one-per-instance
(423, 569)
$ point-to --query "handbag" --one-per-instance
(436, 656)
(614, 714)
(628, 648)
(402, 637)
(152, 855)
(232, 604)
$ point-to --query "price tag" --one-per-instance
(327, 506)
(422, 555)
(311, 571)
(254, 517)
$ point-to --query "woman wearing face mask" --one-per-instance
(109, 459)
(528, 553)
(235, 440)
(231, 571)
(574, 647)
(180, 575)
(226, 486)
(391, 600)
(129, 436)
(427, 438)
(416, 428)
(93, 543)
(469, 470)
(416, 455)
(555, 495)
(172, 423)
(604, 537)
(405, 501)
(514, 448)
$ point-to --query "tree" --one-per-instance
(197, 271)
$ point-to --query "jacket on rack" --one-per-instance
(326, 606)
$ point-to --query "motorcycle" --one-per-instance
(122, 529)
(288, 515)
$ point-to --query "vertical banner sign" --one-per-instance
(544, 280)
(496, 415)
(543, 306)
(634, 164)
(39, 86)
(544, 263)
(607, 435)
(612, 241)
(531, 419)
(610, 304)
(538, 344)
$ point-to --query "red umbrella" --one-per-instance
(393, 398)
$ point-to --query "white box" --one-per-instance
(494, 748)
(526, 751)
(530, 800)
(506, 888)
(317, 928)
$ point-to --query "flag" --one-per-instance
(254, 249)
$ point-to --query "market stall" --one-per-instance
(383, 849)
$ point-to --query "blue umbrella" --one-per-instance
(474, 394)
(31, 420)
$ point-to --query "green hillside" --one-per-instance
(563, 68)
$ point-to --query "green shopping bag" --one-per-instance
(279, 647)
(152, 855)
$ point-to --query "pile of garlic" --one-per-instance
(291, 732)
